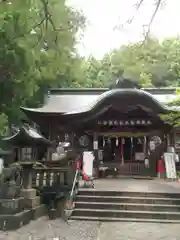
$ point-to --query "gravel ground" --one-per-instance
(43, 229)
(139, 231)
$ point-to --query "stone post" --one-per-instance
(31, 201)
(12, 211)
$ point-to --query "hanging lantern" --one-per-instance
(126, 123)
(132, 122)
(104, 123)
(138, 122)
(103, 141)
(121, 123)
(117, 142)
(132, 142)
(116, 123)
(143, 122)
(110, 123)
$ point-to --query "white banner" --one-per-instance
(88, 158)
(95, 145)
(170, 165)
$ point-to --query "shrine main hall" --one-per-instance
(124, 123)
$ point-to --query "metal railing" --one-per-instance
(74, 185)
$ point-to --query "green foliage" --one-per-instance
(151, 64)
(37, 51)
(3, 124)
(173, 118)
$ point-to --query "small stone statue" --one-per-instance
(11, 182)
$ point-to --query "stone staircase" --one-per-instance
(100, 205)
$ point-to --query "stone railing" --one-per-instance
(48, 177)
(24, 188)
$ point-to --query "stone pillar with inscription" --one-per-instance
(30, 199)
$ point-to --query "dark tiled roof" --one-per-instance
(26, 137)
(64, 101)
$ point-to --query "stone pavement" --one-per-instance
(138, 231)
(44, 229)
(137, 185)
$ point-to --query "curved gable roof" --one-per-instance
(72, 101)
(125, 97)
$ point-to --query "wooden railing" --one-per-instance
(132, 168)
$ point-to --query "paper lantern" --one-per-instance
(117, 142)
(132, 122)
(110, 123)
(115, 123)
(143, 122)
(121, 123)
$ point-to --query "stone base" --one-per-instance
(52, 214)
(28, 193)
(58, 211)
(12, 222)
(30, 199)
(30, 203)
(39, 211)
(11, 206)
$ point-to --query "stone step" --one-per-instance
(128, 206)
(125, 214)
(95, 192)
(127, 199)
(108, 219)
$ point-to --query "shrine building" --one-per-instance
(127, 120)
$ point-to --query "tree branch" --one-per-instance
(158, 4)
(138, 5)
(130, 20)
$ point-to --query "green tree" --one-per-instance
(151, 64)
(37, 51)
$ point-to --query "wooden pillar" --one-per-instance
(145, 147)
(49, 152)
(167, 141)
(122, 150)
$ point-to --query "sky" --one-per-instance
(107, 28)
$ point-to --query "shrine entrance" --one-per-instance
(122, 152)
